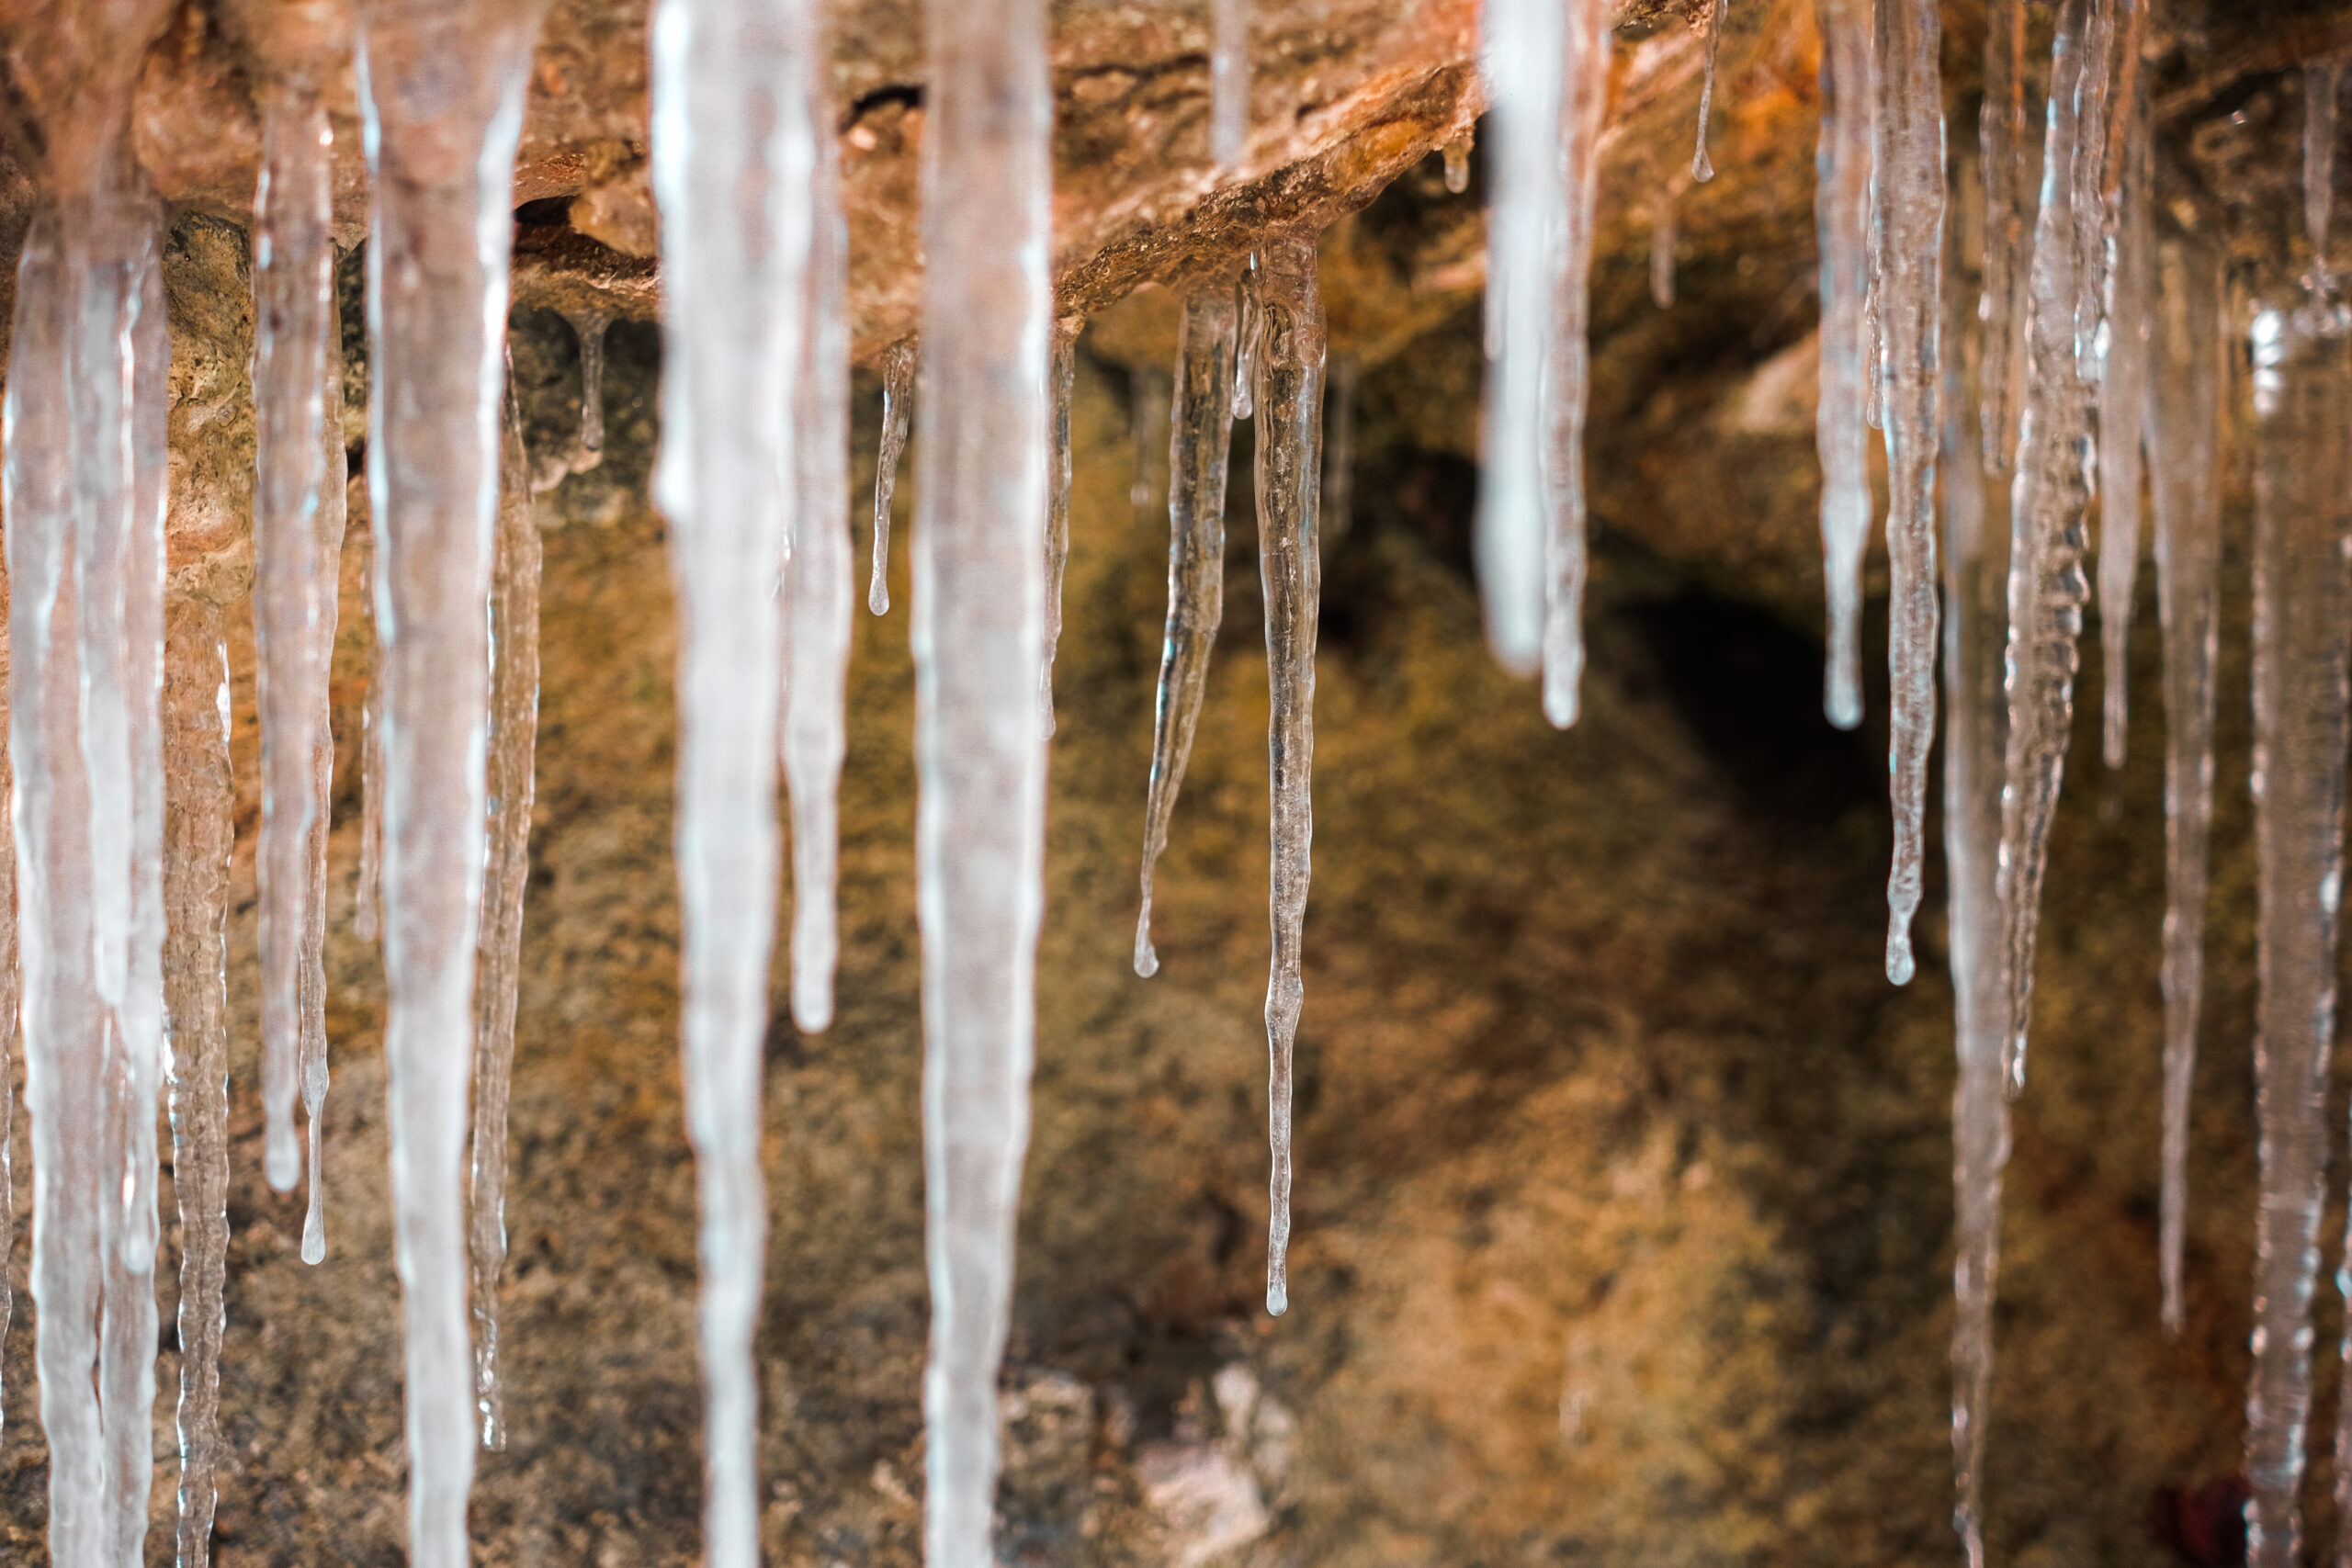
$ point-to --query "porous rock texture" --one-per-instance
(1623, 1201)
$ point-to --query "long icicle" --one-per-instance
(2184, 419)
(2122, 408)
(978, 613)
(200, 832)
(1199, 449)
(2008, 229)
(1842, 213)
(1584, 98)
(899, 362)
(1523, 46)
(513, 733)
(1289, 478)
(1910, 220)
(735, 149)
(440, 152)
(1064, 373)
(293, 290)
(819, 581)
(2047, 498)
(1974, 577)
(330, 523)
(2302, 633)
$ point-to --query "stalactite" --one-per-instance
(1199, 449)
(2122, 408)
(1584, 98)
(1841, 207)
(899, 363)
(331, 525)
(2008, 229)
(978, 611)
(1703, 168)
(514, 731)
(440, 147)
(1064, 372)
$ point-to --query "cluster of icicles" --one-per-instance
(2091, 340)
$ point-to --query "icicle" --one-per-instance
(1065, 370)
(589, 328)
(1229, 81)
(2184, 415)
(440, 152)
(1199, 447)
(2008, 229)
(2123, 400)
(293, 290)
(2095, 191)
(1456, 155)
(1703, 168)
(1338, 450)
(1910, 225)
(817, 629)
(1247, 334)
(200, 829)
(330, 532)
(368, 897)
(1973, 574)
(1148, 400)
(2046, 505)
(1584, 97)
(735, 149)
(1524, 55)
(1841, 206)
(898, 362)
(978, 601)
(514, 731)
(2302, 635)
(1289, 464)
(1662, 251)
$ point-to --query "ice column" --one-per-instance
(978, 635)
(1198, 450)
(2302, 611)
(735, 143)
(441, 144)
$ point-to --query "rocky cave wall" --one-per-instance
(1624, 1194)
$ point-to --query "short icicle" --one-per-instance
(1455, 157)
(589, 329)
(1910, 187)
(1842, 213)
(898, 364)
(2008, 229)
(441, 147)
(513, 733)
(2047, 498)
(2123, 396)
(1229, 81)
(819, 581)
(199, 800)
(980, 760)
(1523, 47)
(1057, 543)
(1974, 577)
(735, 149)
(2184, 421)
(1703, 168)
(1200, 444)
(1289, 473)
(2302, 633)
(1584, 98)
(1247, 334)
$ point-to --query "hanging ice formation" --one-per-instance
(898, 362)
(1229, 81)
(1703, 168)
(735, 145)
(2047, 498)
(1973, 579)
(2184, 416)
(507, 794)
(1841, 207)
(440, 152)
(1198, 450)
(2009, 230)
(1908, 190)
(589, 329)
(978, 633)
(1457, 159)
(2122, 408)
(1289, 470)
(818, 587)
(1247, 335)
(1064, 373)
